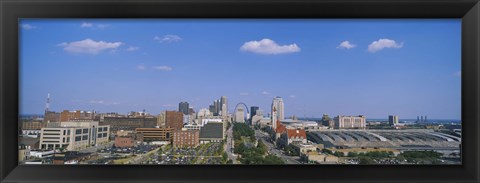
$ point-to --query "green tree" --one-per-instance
(352, 154)
(339, 154)
(272, 159)
(261, 148)
(224, 156)
(364, 160)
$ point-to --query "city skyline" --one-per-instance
(339, 67)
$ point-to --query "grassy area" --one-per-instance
(123, 161)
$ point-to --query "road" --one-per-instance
(228, 147)
(272, 150)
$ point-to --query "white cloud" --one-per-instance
(383, 43)
(346, 45)
(86, 24)
(141, 67)
(93, 26)
(28, 26)
(163, 68)
(102, 26)
(167, 105)
(132, 48)
(243, 93)
(265, 93)
(292, 96)
(89, 46)
(97, 102)
(167, 38)
(268, 47)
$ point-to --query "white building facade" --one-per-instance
(73, 136)
(350, 122)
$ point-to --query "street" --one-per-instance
(228, 147)
(263, 136)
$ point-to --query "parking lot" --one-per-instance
(204, 154)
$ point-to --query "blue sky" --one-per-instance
(336, 67)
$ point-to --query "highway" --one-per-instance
(259, 135)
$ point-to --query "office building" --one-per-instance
(174, 119)
(183, 107)
(392, 120)
(217, 107)
(224, 106)
(350, 122)
(73, 136)
(186, 138)
(253, 111)
(67, 115)
(155, 134)
(211, 108)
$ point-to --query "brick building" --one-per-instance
(186, 138)
(174, 119)
(124, 141)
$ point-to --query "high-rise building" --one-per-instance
(425, 118)
(211, 108)
(174, 119)
(253, 111)
(421, 119)
(392, 120)
(277, 110)
(183, 107)
(224, 106)
(217, 107)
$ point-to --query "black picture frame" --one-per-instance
(12, 10)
